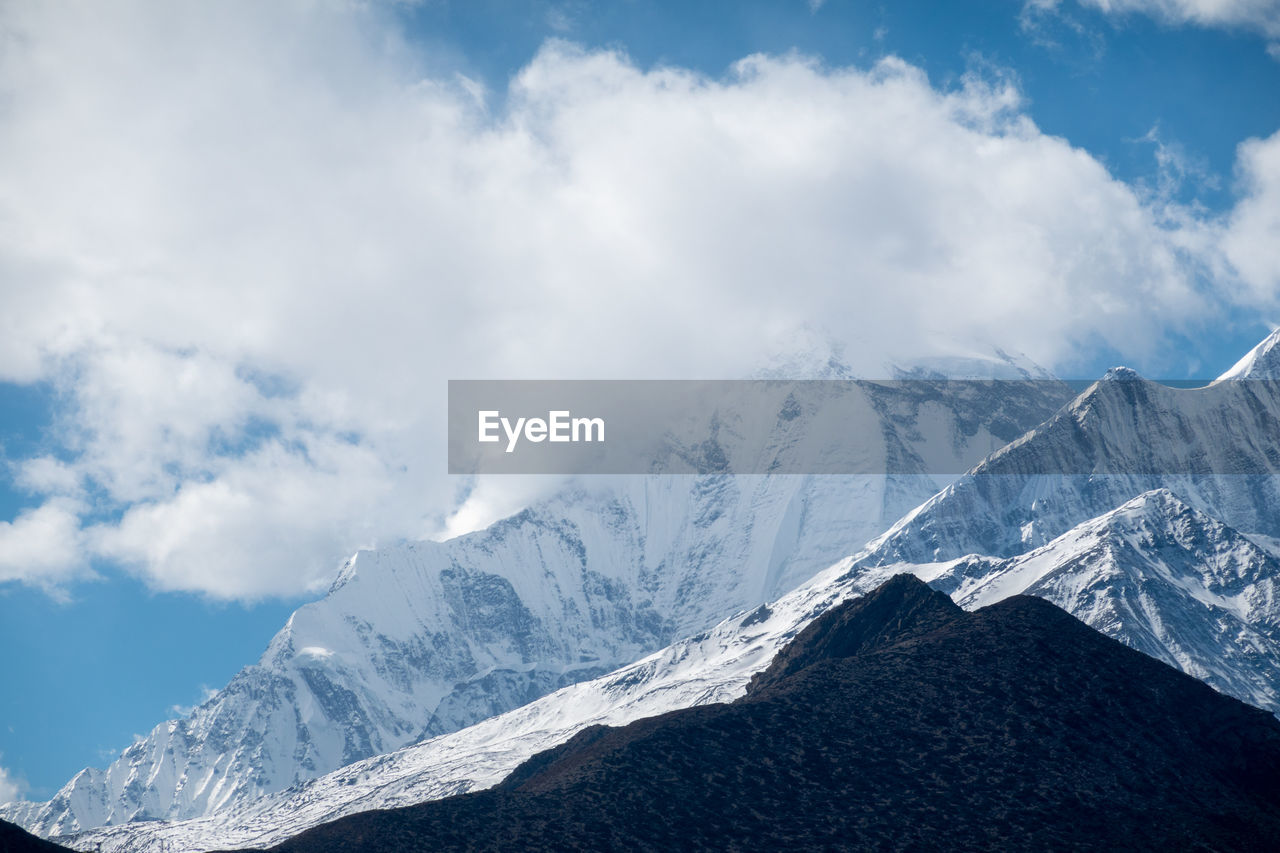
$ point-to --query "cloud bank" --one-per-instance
(248, 244)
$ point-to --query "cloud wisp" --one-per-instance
(1261, 16)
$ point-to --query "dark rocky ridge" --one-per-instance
(897, 721)
(15, 839)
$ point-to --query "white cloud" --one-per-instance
(47, 475)
(271, 522)
(1175, 167)
(487, 500)
(42, 546)
(1259, 15)
(206, 693)
(250, 263)
(11, 789)
(1252, 240)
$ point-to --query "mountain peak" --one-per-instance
(1261, 362)
(900, 608)
(1152, 510)
(346, 574)
(1117, 374)
(1156, 501)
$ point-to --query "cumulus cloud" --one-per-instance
(43, 546)
(248, 243)
(47, 475)
(1252, 239)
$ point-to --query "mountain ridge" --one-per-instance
(1071, 741)
(422, 639)
(713, 666)
(1217, 446)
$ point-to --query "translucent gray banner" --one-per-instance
(1120, 425)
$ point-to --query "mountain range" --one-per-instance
(1147, 512)
(422, 639)
(896, 721)
(717, 665)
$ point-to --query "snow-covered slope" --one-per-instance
(1153, 573)
(1261, 362)
(712, 666)
(422, 639)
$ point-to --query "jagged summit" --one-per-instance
(1261, 362)
(1121, 373)
(1218, 447)
(1153, 511)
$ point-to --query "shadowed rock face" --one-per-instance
(15, 839)
(895, 721)
(902, 607)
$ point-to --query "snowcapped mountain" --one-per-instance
(1146, 511)
(423, 639)
(712, 666)
(1217, 447)
(1153, 573)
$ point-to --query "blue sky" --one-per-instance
(188, 504)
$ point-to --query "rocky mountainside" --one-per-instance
(15, 839)
(422, 639)
(895, 722)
